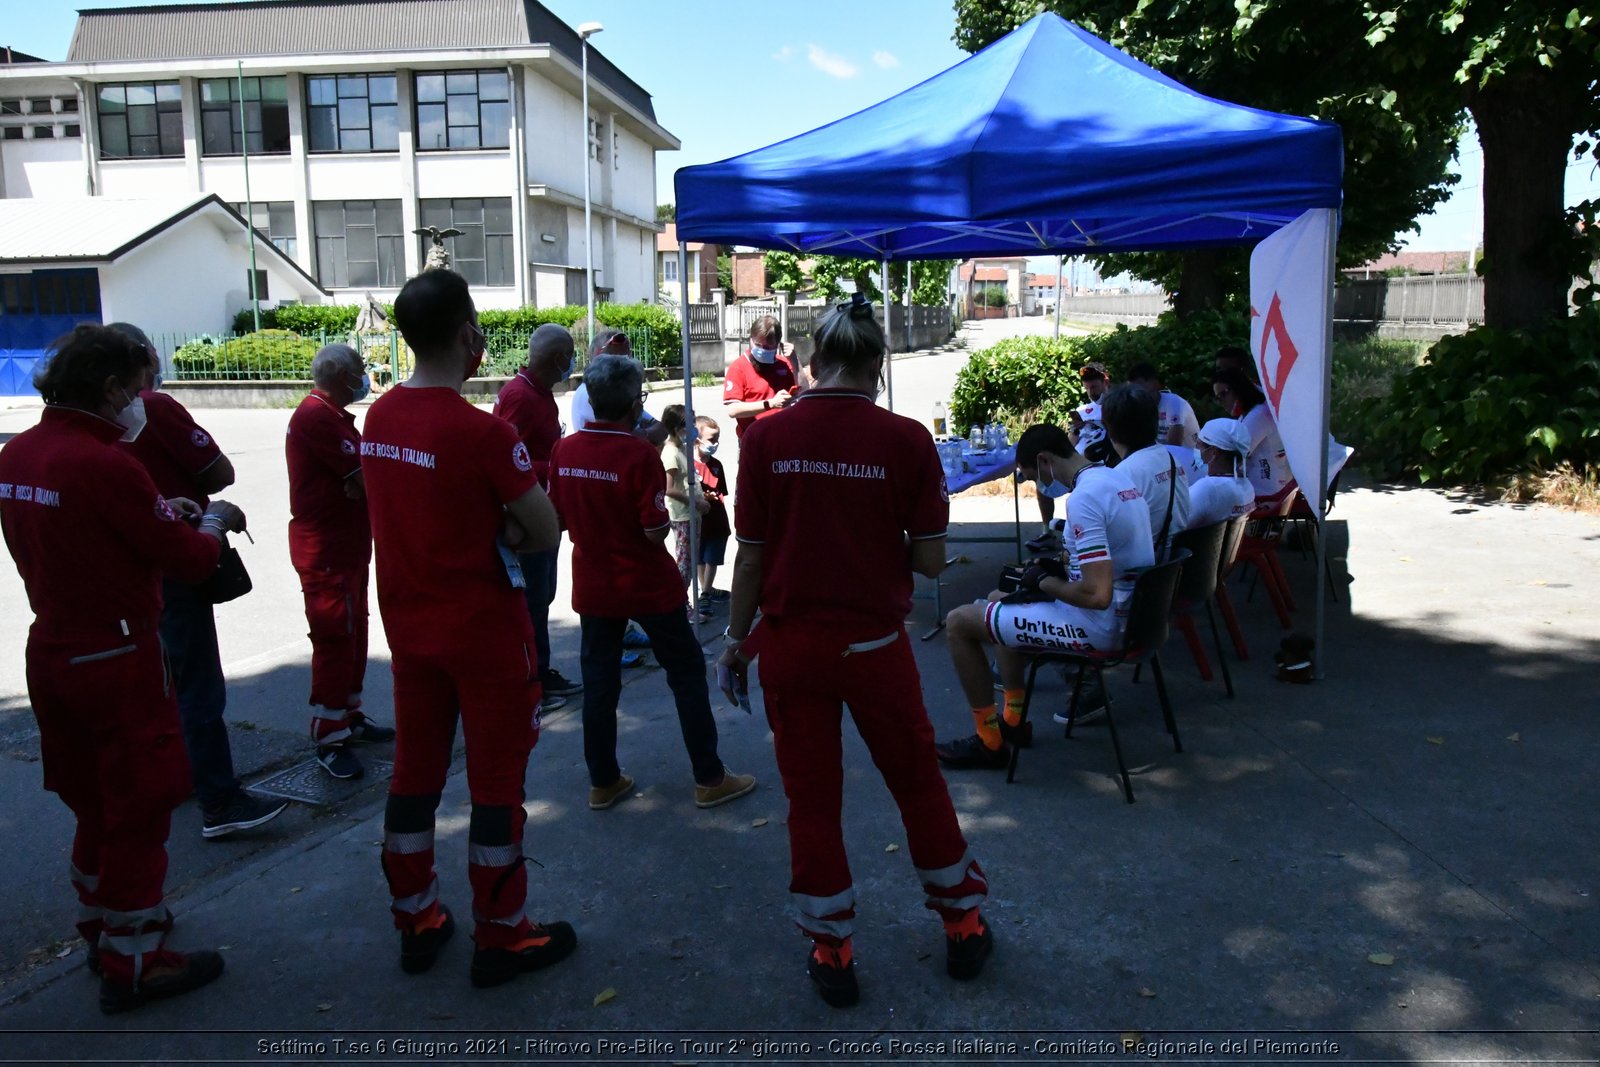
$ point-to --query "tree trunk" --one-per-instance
(1525, 130)
(1201, 285)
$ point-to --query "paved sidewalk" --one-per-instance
(1398, 860)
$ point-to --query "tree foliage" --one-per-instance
(784, 273)
(1294, 57)
(666, 212)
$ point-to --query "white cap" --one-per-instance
(1226, 434)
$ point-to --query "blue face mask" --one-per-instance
(768, 356)
(360, 392)
(1051, 488)
(709, 448)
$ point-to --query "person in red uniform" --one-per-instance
(453, 495)
(330, 545)
(764, 380)
(185, 462)
(838, 503)
(92, 539)
(607, 485)
(528, 403)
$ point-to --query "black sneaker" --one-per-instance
(1091, 706)
(834, 972)
(340, 762)
(1020, 735)
(363, 731)
(557, 684)
(966, 945)
(971, 753)
(419, 950)
(1049, 541)
(550, 702)
(545, 944)
(166, 974)
(242, 811)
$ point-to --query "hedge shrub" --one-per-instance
(1492, 403)
(270, 354)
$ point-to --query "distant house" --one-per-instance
(990, 287)
(702, 259)
(1412, 263)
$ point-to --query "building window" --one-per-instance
(359, 243)
(11, 133)
(669, 268)
(353, 113)
(10, 107)
(261, 285)
(276, 220)
(71, 131)
(463, 109)
(482, 252)
(265, 116)
(67, 103)
(595, 144)
(141, 120)
(43, 133)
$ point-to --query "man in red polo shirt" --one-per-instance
(184, 461)
(763, 381)
(330, 545)
(607, 485)
(527, 402)
(445, 483)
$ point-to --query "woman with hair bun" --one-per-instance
(839, 502)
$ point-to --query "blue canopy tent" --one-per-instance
(1049, 141)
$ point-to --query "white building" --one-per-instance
(360, 121)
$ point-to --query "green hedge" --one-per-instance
(1489, 403)
(270, 354)
(654, 330)
(1023, 380)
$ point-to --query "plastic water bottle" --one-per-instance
(975, 437)
(941, 422)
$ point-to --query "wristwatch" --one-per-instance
(766, 405)
(728, 638)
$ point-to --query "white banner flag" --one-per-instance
(1291, 303)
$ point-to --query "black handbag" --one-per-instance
(229, 581)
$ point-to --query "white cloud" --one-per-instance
(836, 66)
(886, 60)
(784, 54)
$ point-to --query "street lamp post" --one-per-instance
(586, 31)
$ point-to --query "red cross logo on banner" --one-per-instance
(1275, 329)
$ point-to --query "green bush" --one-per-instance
(1023, 380)
(270, 354)
(1492, 403)
(1364, 374)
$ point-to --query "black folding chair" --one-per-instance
(1196, 588)
(1149, 623)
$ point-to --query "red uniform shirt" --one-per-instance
(90, 534)
(608, 488)
(438, 473)
(530, 406)
(713, 482)
(326, 527)
(173, 447)
(747, 380)
(831, 491)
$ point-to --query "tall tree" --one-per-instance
(1302, 57)
(1529, 74)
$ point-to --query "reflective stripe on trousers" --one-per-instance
(832, 917)
(960, 886)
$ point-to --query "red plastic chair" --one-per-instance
(1259, 548)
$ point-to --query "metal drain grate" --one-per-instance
(308, 783)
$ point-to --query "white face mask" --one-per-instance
(709, 448)
(132, 418)
(768, 356)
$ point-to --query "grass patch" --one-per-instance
(1564, 487)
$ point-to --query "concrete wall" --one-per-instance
(43, 169)
(134, 179)
(465, 174)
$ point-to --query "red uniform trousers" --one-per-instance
(808, 674)
(112, 748)
(492, 681)
(336, 613)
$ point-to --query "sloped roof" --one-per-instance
(102, 229)
(314, 27)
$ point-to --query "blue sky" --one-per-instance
(731, 76)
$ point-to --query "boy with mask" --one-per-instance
(714, 526)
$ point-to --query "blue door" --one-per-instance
(35, 309)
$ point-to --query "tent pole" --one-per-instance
(1332, 223)
(888, 357)
(689, 429)
(1060, 263)
(909, 335)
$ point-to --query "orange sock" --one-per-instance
(1013, 707)
(988, 726)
